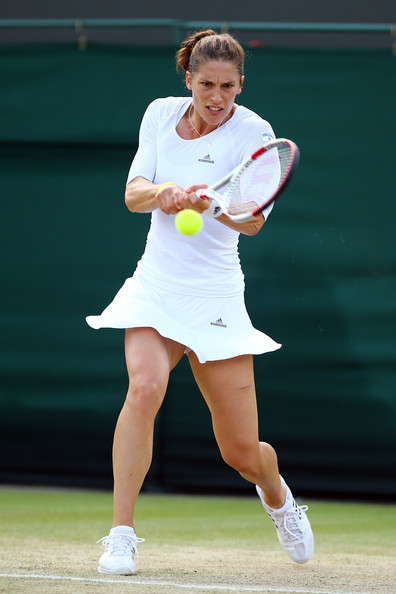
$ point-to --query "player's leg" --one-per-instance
(228, 388)
(149, 358)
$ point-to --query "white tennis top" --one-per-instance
(207, 263)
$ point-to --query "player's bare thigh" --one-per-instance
(149, 358)
(229, 390)
(145, 346)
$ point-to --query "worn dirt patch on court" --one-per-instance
(172, 569)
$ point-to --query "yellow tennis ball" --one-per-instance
(188, 222)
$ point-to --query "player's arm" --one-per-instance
(140, 195)
(143, 196)
(249, 228)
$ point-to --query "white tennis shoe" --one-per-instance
(294, 530)
(120, 550)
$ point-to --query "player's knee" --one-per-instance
(145, 395)
(242, 459)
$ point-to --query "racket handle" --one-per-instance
(214, 209)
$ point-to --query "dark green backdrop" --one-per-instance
(321, 277)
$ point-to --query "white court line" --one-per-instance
(240, 588)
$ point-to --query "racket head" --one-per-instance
(289, 157)
(260, 180)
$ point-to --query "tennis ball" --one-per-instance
(188, 222)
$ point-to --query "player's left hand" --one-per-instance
(198, 204)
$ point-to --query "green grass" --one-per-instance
(193, 539)
(80, 515)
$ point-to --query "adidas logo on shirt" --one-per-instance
(219, 322)
(206, 159)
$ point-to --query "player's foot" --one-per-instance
(120, 550)
(293, 527)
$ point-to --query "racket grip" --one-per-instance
(214, 209)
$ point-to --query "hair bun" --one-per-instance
(184, 54)
(204, 46)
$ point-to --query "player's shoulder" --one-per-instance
(166, 105)
(249, 125)
(248, 117)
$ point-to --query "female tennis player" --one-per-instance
(187, 295)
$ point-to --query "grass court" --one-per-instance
(193, 544)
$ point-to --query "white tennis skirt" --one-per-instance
(213, 327)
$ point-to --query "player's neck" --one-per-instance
(199, 127)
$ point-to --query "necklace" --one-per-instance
(200, 135)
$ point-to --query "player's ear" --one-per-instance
(188, 80)
(241, 85)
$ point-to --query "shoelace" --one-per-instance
(121, 544)
(289, 524)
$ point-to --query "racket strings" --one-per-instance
(257, 183)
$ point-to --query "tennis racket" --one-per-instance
(255, 184)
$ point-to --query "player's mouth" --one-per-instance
(214, 109)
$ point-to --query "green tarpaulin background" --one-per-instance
(321, 277)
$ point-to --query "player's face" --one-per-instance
(214, 88)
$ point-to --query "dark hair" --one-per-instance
(204, 46)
